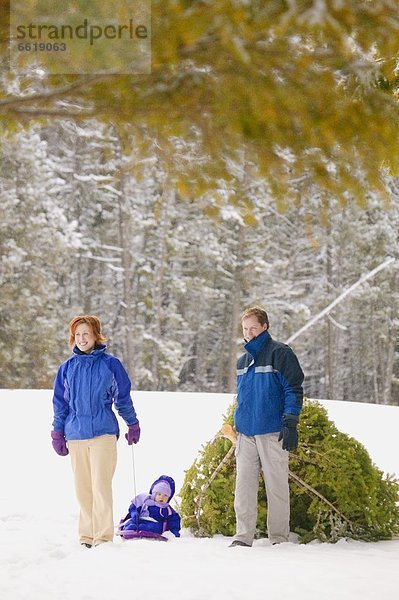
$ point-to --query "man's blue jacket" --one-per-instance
(269, 384)
(85, 388)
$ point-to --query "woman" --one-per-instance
(85, 426)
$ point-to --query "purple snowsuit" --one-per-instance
(147, 515)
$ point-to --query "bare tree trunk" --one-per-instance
(159, 276)
(331, 334)
(235, 313)
(391, 343)
(125, 235)
(388, 375)
(375, 355)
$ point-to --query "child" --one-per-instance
(152, 512)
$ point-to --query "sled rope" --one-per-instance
(134, 483)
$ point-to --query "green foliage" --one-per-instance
(340, 469)
(217, 512)
(336, 490)
(308, 89)
(209, 511)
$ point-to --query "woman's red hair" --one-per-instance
(91, 321)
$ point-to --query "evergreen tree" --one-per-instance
(36, 240)
(336, 490)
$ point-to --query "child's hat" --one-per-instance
(162, 487)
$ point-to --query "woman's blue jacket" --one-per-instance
(85, 388)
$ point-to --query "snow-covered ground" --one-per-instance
(40, 557)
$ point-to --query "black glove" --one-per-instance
(288, 433)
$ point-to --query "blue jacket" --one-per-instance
(269, 384)
(147, 515)
(85, 388)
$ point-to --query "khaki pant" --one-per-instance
(93, 465)
(253, 454)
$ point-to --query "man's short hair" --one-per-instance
(258, 312)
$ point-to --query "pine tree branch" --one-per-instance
(301, 483)
(53, 93)
(341, 297)
(308, 461)
(63, 114)
(224, 460)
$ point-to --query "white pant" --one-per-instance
(253, 454)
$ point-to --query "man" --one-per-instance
(269, 400)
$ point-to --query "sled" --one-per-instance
(131, 534)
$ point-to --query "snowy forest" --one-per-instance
(84, 233)
(168, 225)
